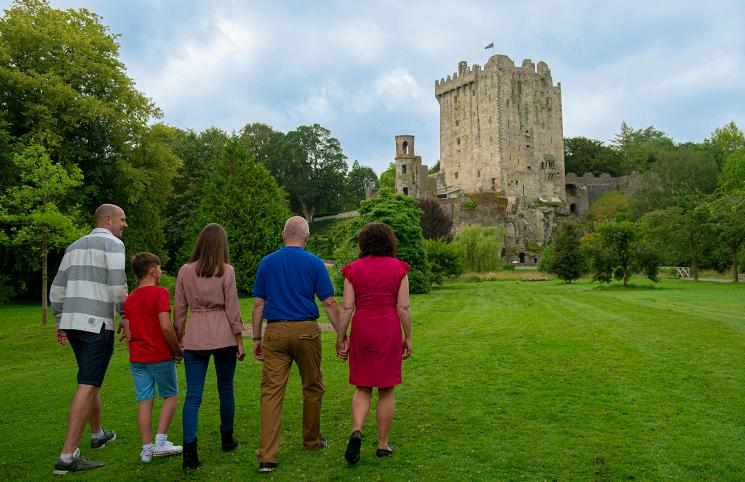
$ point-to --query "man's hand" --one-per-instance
(406, 348)
(342, 347)
(61, 336)
(258, 354)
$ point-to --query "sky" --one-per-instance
(366, 70)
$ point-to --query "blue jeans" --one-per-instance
(196, 362)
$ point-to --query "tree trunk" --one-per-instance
(694, 268)
(625, 279)
(308, 212)
(44, 278)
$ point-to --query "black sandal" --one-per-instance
(353, 448)
(384, 452)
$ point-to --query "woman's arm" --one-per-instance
(404, 314)
(233, 310)
(345, 316)
(179, 307)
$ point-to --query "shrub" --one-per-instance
(564, 257)
(444, 260)
(480, 247)
(469, 203)
(436, 223)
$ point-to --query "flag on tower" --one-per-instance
(490, 46)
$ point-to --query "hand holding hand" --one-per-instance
(406, 348)
(241, 355)
(342, 347)
(61, 336)
(257, 350)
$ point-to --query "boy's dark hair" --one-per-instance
(377, 239)
(142, 262)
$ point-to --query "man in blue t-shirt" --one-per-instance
(287, 282)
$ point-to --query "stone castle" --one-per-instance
(502, 155)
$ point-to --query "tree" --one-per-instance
(400, 213)
(583, 155)
(618, 250)
(436, 223)
(434, 169)
(681, 232)
(480, 247)
(639, 148)
(310, 165)
(610, 205)
(727, 219)
(31, 209)
(732, 177)
(566, 259)
(388, 178)
(65, 88)
(199, 152)
(254, 137)
(359, 180)
(444, 260)
(243, 197)
(727, 140)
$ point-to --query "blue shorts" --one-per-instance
(148, 375)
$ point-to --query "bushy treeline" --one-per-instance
(75, 133)
(688, 211)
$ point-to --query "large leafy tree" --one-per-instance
(732, 177)
(200, 152)
(254, 136)
(727, 220)
(619, 249)
(63, 86)
(480, 247)
(31, 211)
(639, 147)
(359, 180)
(310, 165)
(388, 178)
(582, 155)
(244, 198)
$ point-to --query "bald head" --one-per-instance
(111, 217)
(296, 231)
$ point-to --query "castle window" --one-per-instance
(455, 175)
(478, 172)
(406, 191)
(508, 102)
(572, 208)
(403, 168)
(527, 146)
(457, 123)
(405, 148)
(458, 140)
(530, 168)
(543, 165)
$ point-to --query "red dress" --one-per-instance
(375, 341)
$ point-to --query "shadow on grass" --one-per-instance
(630, 287)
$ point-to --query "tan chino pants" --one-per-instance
(283, 343)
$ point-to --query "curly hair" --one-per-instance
(377, 239)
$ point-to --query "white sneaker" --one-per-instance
(146, 456)
(167, 448)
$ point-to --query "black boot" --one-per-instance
(191, 458)
(228, 442)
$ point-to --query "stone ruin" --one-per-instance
(502, 156)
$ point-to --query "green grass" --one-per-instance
(508, 380)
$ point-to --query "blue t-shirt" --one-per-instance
(288, 279)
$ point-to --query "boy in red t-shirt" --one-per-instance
(153, 349)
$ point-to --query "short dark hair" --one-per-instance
(142, 262)
(377, 239)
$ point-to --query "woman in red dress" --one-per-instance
(376, 290)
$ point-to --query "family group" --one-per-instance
(90, 289)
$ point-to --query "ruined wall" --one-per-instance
(501, 129)
(583, 190)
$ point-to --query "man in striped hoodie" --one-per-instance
(90, 287)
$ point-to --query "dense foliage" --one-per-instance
(402, 215)
(619, 249)
(444, 260)
(243, 197)
(436, 223)
(565, 259)
(480, 247)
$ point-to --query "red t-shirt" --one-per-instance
(147, 344)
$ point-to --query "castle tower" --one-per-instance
(501, 129)
(411, 176)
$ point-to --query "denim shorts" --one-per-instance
(148, 375)
(93, 352)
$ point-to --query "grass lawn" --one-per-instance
(508, 380)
